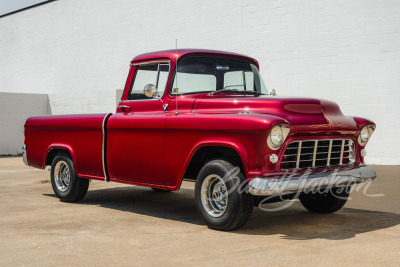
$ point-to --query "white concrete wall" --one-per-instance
(14, 110)
(348, 51)
(118, 95)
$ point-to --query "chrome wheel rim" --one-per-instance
(214, 195)
(62, 176)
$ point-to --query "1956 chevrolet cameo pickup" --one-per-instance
(207, 116)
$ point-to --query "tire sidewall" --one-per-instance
(231, 184)
(329, 202)
(69, 194)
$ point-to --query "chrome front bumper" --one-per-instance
(287, 185)
(24, 158)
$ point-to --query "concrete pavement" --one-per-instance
(118, 224)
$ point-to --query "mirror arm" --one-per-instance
(165, 106)
(151, 91)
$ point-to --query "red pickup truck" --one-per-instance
(207, 116)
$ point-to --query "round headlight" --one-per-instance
(365, 134)
(277, 136)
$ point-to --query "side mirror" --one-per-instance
(273, 92)
(150, 90)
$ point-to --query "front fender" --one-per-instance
(186, 133)
(361, 122)
(225, 142)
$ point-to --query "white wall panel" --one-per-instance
(344, 50)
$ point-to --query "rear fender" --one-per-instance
(63, 147)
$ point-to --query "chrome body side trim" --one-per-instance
(24, 156)
(103, 148)
(281, 186)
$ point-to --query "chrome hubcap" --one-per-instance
(62, 176)
(214, 196)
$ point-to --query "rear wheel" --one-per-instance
(67, 186)
(221, 198)
(326, 202)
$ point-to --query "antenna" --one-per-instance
(176, 90)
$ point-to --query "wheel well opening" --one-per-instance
(207, 153)
(53, 153)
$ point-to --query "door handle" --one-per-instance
(124, 108)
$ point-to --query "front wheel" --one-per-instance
(67, 186)
(325, 202)
(221, 196)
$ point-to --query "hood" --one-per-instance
(304, 114)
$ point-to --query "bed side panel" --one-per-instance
(81, 134)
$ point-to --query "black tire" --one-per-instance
(159, 190)
(239, 202)
(77, 187)
(326, 202)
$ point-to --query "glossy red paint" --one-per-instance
(136, 146)
(80, 135)
(176, 54)
(149, 146)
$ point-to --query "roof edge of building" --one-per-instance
(26, 8)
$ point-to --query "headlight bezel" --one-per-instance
(362, 138)
(284, 129)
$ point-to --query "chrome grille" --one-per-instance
(318, 154)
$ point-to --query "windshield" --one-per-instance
(212, 74)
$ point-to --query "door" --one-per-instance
(136, 137)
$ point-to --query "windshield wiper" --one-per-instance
(236, 91)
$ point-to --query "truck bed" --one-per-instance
(80, 135)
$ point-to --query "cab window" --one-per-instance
(242, 80)
(155, 74)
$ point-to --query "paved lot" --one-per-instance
(125, 225)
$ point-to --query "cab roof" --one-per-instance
(176, 54)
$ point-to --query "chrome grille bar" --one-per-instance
(315, 153)
(341, 152)
(298, 154)
(328, 162)
(318, 153)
